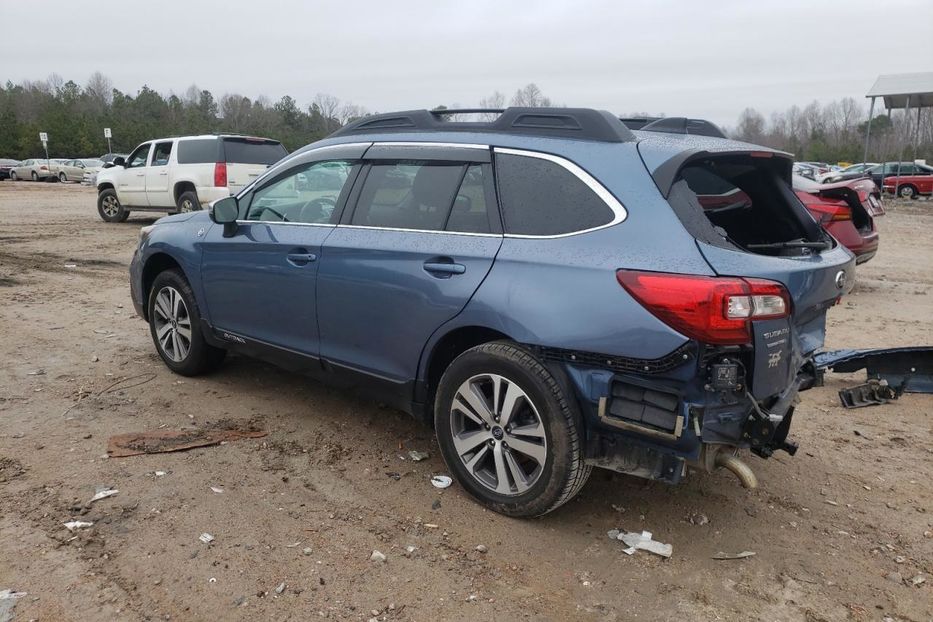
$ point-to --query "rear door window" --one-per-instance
(252, 151)
(541, 197)
(409, 195)
(199, 151)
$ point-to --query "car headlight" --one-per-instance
(144, 234)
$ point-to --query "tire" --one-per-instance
(548, 417)
(35, 176)
(175, 327)
(188, 202)
(62, 177)
(907, 192)
(13, 176)
(109, 206)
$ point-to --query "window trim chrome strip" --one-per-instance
(618, 210)
(434, 231)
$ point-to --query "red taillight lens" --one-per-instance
(830, 213)
(220, 174)
(715, 310)
(43, 168)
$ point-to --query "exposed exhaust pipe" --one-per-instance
(739, 469)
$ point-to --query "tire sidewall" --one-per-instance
(121, 214)
(35, 176)
(189, 196)
(13, 176)
(552, 482)
(907, 192)
(62, 177)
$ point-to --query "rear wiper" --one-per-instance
(822, 246)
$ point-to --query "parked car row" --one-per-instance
(40, 169)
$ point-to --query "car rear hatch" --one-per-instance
(248, 157)
(737, 202)
(862, 197)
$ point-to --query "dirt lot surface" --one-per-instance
(842, 531)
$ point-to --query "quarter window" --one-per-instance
(307, 194)
(410, 195)
(540, 197)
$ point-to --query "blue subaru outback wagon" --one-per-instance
(551, 290)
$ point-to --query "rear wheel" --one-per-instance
(13, 176)
(175, 326)
(508, 431)
(35, 176)
(62, 177)
(188, 202)
(907, 191)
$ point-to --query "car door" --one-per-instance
(131, 184)
(158, 193)
(260, 283)
(421, 237)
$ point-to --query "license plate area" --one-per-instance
(772, 362)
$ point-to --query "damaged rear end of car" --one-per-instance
(750, 327)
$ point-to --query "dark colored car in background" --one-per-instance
(847, 210)
(6, 165)
(892, 169)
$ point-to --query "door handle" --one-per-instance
(444, 269)
(301, 259)
(162, 174)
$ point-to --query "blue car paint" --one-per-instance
(547, 293)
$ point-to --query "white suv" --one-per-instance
(182, 174)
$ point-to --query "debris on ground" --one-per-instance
(742, 555)
(164, 441)
(377, 557)
(635, 541)
(206, 538)
(77, 524)
(481, 548)
(307, 550)
(7, 602)
(871, 393)
(280, 588)
(441, 481)
(217, 490)
(418, 456)
(103, 493)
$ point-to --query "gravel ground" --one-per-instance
(842, 531)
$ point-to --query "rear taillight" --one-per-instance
(43, 168)
(220, 174)
(715, 310)
(830, 213)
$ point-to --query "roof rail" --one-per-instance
(683, 125)
(578, 123)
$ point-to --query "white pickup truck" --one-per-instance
(182, 174)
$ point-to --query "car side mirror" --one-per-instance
(225, 212)
(119, 161)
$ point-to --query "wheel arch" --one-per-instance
(444, 349)
(105, 186)
(181, 187)
(156, 264)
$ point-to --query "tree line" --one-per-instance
(75, 116)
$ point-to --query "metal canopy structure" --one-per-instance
(901, 91)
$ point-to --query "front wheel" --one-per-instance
(13, 176)
(175, 326)
(62, 177)
(35, 176)
(110, 208)
(509, 432)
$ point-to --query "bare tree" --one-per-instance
(530, 96)
(327, 105)
(100, 88)
(751, 126)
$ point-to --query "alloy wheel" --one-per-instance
(110, 206)
(186, 206)
(172, 324)
(498, 434)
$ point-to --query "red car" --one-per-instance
(911, 186)
(847, 210)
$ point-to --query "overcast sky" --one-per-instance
(690, 58)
